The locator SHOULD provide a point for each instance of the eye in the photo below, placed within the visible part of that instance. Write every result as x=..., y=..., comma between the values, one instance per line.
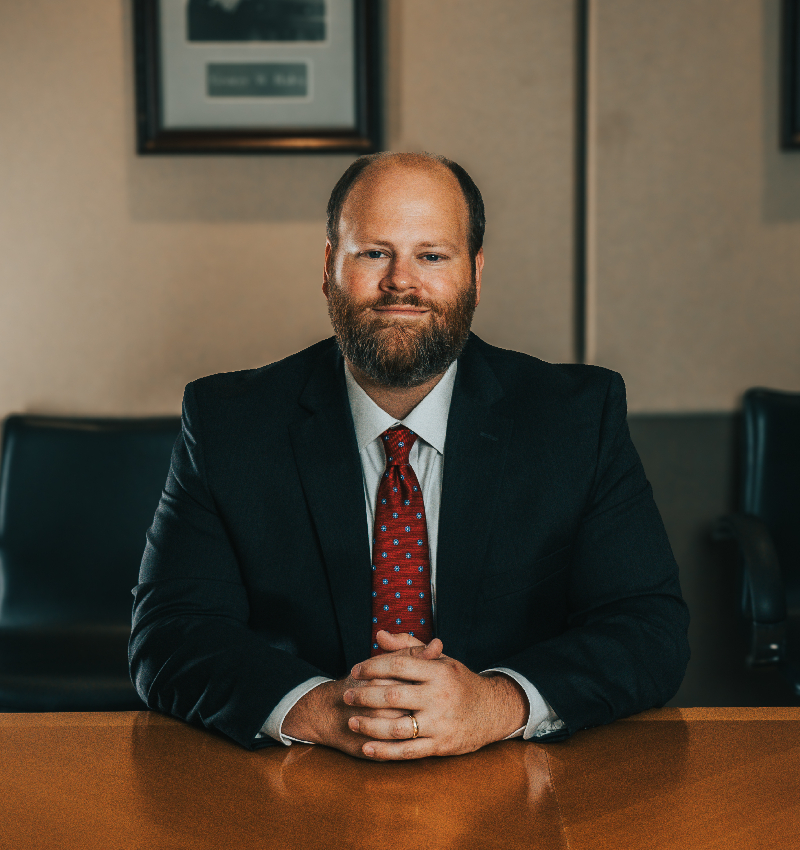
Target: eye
x=432, y=258
x=373, y=255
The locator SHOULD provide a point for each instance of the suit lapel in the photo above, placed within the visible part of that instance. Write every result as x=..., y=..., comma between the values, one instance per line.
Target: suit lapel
x=475, y=455
x=328, y=462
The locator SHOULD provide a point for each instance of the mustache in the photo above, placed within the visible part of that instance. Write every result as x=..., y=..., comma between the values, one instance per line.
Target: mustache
x=387, y=300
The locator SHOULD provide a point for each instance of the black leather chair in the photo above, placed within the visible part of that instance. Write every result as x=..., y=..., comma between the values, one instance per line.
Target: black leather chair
x=767, y=530
x=76, y=498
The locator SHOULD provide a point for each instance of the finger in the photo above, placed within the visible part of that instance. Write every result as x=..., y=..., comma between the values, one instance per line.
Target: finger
x=407, y=697
x=399, y=750
x=397, y=729
x=397, y=665
x=383, y=713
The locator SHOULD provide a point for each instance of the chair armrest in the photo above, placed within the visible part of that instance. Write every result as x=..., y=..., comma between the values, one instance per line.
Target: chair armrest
x=763, y=594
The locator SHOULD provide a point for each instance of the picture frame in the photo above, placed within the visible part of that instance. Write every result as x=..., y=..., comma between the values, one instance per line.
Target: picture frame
x=790, y=87
x=257, y=76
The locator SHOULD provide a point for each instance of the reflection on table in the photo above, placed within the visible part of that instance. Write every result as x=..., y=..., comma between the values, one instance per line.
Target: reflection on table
x=668, y=778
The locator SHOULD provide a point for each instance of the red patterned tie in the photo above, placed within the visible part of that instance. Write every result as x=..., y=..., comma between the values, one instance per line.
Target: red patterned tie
x=401, y=569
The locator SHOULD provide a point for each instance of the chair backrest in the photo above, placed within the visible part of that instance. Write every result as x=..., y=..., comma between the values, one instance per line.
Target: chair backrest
x=76, y=498
x=771, y=474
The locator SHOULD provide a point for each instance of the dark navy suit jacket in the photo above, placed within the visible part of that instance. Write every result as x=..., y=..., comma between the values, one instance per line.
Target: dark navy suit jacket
x=552, y=558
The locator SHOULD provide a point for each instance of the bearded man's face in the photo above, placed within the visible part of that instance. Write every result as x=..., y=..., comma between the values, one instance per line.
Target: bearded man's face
x=401, y=285
x=397, y=353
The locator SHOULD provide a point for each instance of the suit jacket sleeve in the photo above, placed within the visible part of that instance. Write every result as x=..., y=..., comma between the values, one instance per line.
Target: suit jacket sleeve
x=624, y=648
x=191, y=652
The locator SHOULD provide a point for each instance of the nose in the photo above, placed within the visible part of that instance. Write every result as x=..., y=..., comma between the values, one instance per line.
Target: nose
x=401, y=276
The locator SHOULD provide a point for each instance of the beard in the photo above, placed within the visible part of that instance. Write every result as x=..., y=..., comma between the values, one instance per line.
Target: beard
x=395, y=352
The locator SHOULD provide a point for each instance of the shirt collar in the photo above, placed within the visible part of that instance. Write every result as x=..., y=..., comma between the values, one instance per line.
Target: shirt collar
x=428, y=419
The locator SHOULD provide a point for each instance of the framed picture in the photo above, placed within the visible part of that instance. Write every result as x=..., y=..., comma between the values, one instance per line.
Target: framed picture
x=790, y=119
x=256, y=76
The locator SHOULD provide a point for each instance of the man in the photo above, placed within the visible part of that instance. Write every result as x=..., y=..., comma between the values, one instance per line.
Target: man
x=404, y=542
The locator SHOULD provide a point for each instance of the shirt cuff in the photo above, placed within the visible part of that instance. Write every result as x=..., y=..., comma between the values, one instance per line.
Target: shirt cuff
x=541, y=718
x=274, y=723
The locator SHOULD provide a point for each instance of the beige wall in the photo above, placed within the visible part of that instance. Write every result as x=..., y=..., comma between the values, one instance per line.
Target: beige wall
x=695, y=213
x=124, y=277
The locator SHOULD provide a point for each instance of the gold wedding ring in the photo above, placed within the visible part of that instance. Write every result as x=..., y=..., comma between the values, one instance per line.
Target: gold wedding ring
x=416, y=726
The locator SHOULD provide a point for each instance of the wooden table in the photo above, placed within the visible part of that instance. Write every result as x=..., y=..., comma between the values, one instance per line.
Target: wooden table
x=674, y=778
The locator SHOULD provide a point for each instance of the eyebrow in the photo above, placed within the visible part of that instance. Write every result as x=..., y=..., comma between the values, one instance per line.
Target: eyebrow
x=451, y=246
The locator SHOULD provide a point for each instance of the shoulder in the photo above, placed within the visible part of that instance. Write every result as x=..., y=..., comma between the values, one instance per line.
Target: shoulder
x=527, y=381
x=259, y=403
x=283, y=379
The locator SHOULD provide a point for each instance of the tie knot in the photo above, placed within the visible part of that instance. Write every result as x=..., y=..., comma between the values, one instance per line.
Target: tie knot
x=397, y=443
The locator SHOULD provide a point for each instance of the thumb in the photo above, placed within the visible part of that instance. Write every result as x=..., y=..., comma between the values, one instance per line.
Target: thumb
x=393, y=643
x=407, y=644
x=429, y=652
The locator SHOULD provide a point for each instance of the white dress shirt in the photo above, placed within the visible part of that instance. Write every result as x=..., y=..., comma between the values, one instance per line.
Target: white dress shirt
x=428, y=420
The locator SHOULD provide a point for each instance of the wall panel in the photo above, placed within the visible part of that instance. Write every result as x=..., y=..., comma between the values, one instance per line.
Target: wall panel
x=694, y=212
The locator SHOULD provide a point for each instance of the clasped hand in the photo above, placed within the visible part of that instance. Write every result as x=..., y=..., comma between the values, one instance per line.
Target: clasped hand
x=367, y=714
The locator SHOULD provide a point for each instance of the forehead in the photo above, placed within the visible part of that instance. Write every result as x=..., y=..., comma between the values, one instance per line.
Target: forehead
x=407, y=199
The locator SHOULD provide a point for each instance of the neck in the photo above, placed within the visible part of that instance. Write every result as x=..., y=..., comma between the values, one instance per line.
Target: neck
x=398, y=402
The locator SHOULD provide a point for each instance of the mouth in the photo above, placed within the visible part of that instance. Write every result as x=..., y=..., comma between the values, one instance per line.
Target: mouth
x=401, y=311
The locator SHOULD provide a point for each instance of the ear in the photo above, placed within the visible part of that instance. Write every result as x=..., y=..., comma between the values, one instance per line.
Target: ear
x=478, y=273
x=326, y=270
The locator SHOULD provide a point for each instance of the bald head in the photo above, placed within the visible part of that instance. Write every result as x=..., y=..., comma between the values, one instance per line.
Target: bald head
x=379, y=167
